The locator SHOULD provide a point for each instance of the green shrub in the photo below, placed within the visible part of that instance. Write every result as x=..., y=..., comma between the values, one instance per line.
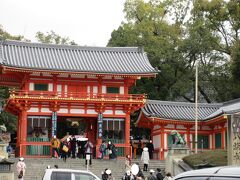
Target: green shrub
x=213, y=157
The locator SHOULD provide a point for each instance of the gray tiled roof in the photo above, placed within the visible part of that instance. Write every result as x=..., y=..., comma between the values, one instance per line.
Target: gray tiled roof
x=178, y=110
x=229, y=107
x=122, y=60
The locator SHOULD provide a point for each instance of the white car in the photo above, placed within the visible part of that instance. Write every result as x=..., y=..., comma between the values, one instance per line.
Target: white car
x=69, y=174
x=215, y=173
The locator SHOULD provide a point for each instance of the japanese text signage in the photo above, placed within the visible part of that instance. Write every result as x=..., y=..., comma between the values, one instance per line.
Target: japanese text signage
x=100, y=125
x=54, y=123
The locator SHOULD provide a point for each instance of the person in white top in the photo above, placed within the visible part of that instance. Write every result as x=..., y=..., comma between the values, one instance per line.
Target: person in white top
x=145, y=159
x=88, y=151
x=21, y=168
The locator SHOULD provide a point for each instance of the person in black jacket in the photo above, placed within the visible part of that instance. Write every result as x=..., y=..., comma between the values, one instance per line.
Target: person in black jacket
x=112, y=150
x=73, y=143
x=104, y=174
x=159, y=174
x=150, y=149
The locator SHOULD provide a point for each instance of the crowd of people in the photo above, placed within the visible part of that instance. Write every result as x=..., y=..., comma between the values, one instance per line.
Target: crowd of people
x=72, y=147
x=132, y=174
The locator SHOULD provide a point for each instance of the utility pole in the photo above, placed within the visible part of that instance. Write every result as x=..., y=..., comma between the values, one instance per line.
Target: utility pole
x=196, y=109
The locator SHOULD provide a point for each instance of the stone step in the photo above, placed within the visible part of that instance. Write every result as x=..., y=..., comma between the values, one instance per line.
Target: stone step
x=37, y=166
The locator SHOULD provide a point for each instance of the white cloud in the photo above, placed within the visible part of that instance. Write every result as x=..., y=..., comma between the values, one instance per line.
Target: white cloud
x=87, y=22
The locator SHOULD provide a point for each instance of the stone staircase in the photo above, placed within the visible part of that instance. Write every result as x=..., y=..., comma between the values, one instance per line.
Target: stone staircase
x=36, y=166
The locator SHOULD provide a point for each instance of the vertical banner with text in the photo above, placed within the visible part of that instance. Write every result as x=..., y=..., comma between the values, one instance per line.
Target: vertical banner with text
x=100, y=125
x=54, y=123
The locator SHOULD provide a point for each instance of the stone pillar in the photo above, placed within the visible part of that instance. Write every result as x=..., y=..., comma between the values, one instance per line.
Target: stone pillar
x=233, y=140
x=175, y=153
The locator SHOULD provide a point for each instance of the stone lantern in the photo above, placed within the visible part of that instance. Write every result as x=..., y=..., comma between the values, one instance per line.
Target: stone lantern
x=5, y=170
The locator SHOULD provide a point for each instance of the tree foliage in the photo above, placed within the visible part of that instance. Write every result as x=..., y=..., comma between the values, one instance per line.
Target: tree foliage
x=53, y=38
x=176, y=34
x=8, y=119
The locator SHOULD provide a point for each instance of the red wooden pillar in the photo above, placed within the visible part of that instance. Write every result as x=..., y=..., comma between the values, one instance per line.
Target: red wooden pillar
x=127, y=134
x=100, y=85
x=162, y=143
x=213, y=140
x=55, y=84
x=188, y=137
x=23, y=131
x=223, y=137
x=125, y=86
x=19, y=129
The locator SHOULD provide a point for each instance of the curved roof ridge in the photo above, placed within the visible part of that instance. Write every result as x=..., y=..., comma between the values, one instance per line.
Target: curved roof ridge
x=231, y=102
x=72, y=47
x=176, y=103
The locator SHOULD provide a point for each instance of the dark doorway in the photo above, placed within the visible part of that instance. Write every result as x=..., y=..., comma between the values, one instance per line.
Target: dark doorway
x=71, y=126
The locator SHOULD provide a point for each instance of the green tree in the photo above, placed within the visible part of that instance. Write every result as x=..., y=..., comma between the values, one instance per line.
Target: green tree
x=6, y=118
x=53, y=38
x=148, y=26
x=178, y=33
x=221, y=19
x=5, y=35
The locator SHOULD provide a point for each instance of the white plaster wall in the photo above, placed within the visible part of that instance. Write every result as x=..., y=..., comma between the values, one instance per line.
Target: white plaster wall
x=66, y=89
x=33, y=109
x=104, y=89
x=119, y=112
x=91, y=111
x=63, y=110
x=31, y=86
x=95, y=89
x=35, y=74
x=191, y=139
x=121, y=90
x=45, y=110
x=92, y=77
x=108, y=112
x=193, y=128
x=50, y=87
x=165, y=141
x=156, y=127
x=88, y=89
x=78, y=75
x=169, y=126
x=156, y=141
x=181, y=127
x=77, y=111
x=185, y=137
